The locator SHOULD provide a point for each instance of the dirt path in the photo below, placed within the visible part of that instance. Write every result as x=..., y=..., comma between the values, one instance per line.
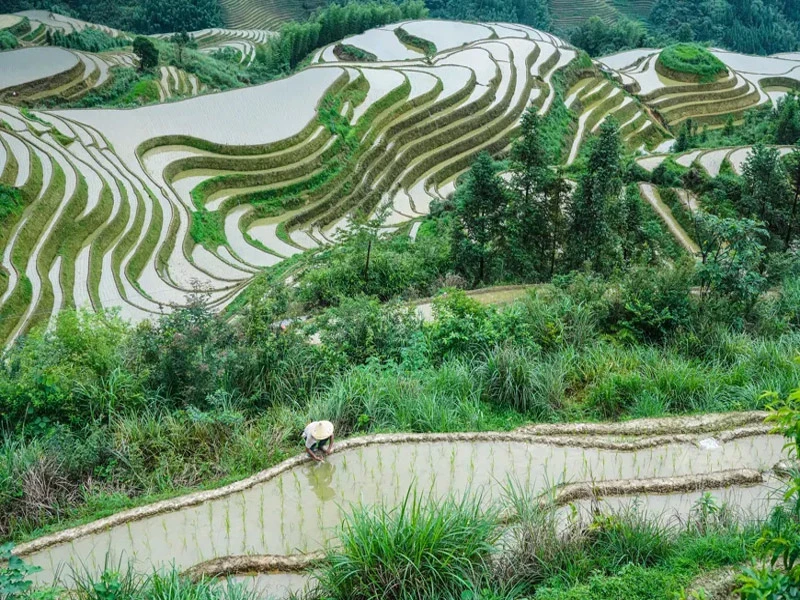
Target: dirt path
x=650, y=194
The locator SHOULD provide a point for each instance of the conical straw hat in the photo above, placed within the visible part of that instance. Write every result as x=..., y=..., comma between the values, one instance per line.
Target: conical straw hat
x=322, y=430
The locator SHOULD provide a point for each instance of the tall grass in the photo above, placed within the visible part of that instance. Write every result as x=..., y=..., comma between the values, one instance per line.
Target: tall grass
x=422, y=549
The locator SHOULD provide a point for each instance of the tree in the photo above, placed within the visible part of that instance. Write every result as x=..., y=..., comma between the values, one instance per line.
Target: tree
x=731, y=258
x=598, y=38
x=794, y=175
x=630, y=227
x=766, y=190
x=530, y=168
x=556, y=198
x=480, y=208
x=591, y=237
x=147, y=52
x=685, y=138
x=685, y=33
x=182, y=40
x=787, y=127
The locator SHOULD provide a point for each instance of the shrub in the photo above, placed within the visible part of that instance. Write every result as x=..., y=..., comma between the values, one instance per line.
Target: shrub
x=7, y=40
x=362, y=328
x=421, y=549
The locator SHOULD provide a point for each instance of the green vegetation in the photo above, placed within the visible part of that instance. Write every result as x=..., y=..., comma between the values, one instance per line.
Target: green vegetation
x=692, y=60
x=601, y=557
x=427, y=47
x=347, y=52
x=147, y=53
x=7, y=40
x=619, y=324
x=89, y=40
x=599, y=38
x=535, y=13
x=11, y=201
x=780, y=538
x=764, y=27
x=118, y=582
x=208, y=229
x=140, y=16
x=765, y=124
x=420, y=549
x=286, y=51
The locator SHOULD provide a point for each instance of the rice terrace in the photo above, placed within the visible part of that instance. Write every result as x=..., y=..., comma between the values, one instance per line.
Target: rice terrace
x=528, y=275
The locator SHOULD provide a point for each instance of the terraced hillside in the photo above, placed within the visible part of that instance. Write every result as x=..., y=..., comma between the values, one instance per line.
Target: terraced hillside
x=37, y=73
x=116, y=198
x=133, y=209
x=751, y=81
x=270, y=14
x=265, y=14
x=242, y=41
x=280, y=519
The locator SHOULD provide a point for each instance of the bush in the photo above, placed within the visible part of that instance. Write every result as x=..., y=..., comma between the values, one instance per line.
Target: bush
x=421, y=549
x=398, y=267
x=362, y=328
x=7, y=40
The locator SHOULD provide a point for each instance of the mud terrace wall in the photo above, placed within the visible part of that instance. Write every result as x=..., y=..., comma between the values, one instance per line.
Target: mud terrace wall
x=296, y=507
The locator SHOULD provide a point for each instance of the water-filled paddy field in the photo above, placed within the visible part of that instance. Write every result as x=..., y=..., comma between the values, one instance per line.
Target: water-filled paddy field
x=297, y=507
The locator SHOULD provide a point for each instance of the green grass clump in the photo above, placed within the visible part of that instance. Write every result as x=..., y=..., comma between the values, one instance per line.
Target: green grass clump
x=693, y=60
x=207, y=229
x=421, y=549
x=11, y=201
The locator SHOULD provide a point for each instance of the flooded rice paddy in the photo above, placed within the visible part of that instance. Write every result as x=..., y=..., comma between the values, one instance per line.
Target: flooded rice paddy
x=300, y=509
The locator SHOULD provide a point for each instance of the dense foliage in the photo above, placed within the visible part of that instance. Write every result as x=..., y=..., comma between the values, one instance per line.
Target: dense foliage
x=8, y=40
x=694, y=60
x=89, y=40
x=140, y=16
x=10, y=201
x=535, y=13
x=763, y=27
x=599, y=38
x=284, y=52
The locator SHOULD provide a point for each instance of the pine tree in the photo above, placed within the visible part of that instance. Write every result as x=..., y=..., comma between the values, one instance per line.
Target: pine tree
x=794, y=210
x=481, y=205
x=591, y=237
x=766, y=191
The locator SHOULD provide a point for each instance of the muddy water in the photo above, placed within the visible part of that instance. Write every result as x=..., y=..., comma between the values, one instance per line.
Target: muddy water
x=300, y=510
x=274, y=585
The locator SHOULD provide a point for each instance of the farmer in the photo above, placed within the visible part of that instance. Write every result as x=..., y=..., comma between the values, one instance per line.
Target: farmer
x=317, y=435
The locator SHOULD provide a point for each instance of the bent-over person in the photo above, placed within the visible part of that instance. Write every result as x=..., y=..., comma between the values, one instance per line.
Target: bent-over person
x=319, y=439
